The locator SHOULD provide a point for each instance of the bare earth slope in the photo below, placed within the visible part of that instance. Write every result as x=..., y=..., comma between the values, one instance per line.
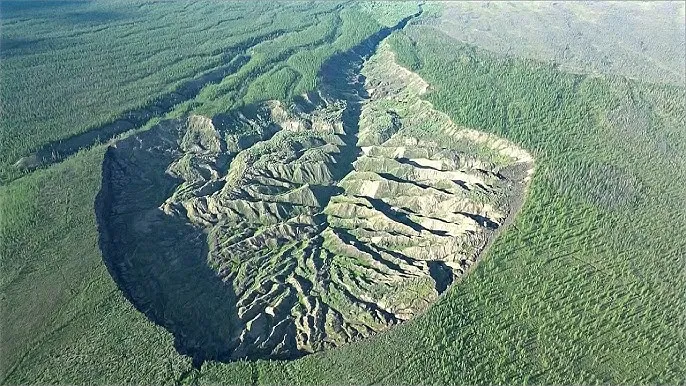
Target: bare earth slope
x=278, y=230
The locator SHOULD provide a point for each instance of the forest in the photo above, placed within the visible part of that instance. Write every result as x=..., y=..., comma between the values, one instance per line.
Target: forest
x=585, y=285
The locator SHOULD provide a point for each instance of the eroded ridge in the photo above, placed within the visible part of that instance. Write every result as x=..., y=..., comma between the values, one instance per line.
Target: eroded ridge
x=304, y=227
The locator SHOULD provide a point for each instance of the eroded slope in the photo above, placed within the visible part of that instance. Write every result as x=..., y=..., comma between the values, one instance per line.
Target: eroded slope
x=281, y=230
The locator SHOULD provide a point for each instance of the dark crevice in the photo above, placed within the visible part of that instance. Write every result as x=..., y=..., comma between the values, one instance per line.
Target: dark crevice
x=393, y=178
x=481, y=220
x=441, y=274
x=369, y=306
x=407, y=260
x=398, y=216
x=407, y=161
x=462, y=184
x=348, y=238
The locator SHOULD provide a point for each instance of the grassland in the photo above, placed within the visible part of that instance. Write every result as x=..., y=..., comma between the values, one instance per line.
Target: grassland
x=586, y=286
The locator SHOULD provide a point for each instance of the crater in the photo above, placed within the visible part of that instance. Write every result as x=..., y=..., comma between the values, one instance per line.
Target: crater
x=281, y=230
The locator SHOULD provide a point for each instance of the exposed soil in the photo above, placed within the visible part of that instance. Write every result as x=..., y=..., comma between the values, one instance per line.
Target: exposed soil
x=276, y=231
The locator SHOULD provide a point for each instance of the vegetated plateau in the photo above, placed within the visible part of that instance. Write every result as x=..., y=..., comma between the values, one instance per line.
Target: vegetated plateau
x=267, y=180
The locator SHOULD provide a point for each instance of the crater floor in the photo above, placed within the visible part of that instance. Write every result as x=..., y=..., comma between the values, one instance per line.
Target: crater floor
x=277, y=231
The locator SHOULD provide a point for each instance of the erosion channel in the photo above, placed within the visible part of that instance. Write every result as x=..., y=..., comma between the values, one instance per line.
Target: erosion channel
x=280, y=230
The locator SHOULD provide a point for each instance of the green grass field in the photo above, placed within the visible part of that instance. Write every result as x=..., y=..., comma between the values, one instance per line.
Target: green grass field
x=586, y=286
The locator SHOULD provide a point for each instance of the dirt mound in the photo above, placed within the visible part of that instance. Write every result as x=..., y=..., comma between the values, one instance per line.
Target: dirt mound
x=282, y=230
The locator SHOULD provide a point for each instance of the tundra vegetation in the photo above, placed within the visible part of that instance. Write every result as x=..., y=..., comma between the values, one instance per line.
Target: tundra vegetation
x=642, y=40
x=301, y=152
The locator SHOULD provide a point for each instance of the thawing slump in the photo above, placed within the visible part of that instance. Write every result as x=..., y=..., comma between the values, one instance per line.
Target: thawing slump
x=276, y=231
